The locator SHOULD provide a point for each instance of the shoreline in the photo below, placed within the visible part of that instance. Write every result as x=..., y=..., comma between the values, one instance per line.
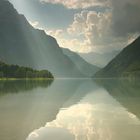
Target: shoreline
x=25, y=79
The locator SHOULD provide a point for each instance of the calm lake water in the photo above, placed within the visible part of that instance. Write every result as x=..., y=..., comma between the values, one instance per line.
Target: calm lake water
x=70, y=110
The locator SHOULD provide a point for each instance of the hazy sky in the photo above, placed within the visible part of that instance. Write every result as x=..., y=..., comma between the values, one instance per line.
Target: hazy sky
x=85, y=25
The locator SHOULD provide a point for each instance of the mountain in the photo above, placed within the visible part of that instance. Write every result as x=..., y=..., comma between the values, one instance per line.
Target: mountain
x=99, y=59
x=24, y=45
x=125, y=64
x=83, y=66
x=15, y=71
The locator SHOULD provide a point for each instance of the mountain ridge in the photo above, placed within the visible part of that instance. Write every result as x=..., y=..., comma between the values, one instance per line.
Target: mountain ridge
x=21, y=44
x=99, y=59
x=125, y=64
x=83, y=66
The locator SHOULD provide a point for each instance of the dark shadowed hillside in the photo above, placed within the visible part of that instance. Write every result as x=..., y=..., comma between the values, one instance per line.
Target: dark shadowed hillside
x=126, y=64
x=21, y=44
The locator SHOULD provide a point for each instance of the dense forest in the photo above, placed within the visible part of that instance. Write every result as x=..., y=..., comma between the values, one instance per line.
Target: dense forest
x=15, y=71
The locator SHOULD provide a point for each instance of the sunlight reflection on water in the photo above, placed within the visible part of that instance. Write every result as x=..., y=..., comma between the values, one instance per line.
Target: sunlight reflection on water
x=97, y=116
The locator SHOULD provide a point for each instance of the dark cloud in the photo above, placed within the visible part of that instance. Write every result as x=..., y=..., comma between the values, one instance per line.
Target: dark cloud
x=125, y=17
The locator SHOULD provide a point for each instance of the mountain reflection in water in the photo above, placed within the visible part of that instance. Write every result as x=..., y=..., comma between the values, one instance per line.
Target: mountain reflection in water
x=108, y=111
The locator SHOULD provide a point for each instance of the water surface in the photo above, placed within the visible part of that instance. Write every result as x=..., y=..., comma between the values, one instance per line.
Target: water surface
x=70, y=110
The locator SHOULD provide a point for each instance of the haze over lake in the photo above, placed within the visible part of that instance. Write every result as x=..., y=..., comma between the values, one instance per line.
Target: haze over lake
x=69, y=69
x=70, y=109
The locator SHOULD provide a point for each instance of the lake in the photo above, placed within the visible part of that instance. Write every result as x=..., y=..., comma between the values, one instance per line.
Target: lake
x=70, y=109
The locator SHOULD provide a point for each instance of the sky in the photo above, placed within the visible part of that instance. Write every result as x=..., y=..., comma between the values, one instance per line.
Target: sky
x=85, y=25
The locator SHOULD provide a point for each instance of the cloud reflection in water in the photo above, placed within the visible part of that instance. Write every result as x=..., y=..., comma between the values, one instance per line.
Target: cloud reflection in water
x=97, y=116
